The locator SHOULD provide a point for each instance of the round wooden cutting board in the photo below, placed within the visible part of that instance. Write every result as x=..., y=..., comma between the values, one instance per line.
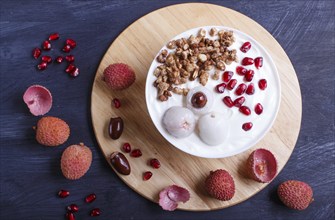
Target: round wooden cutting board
x=137, y=46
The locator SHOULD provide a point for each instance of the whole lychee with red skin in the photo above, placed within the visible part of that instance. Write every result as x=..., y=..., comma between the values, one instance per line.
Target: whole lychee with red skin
x=52, y=131
x=220, y=185
x=295, y=194
x=75, y=161
x=119, y=76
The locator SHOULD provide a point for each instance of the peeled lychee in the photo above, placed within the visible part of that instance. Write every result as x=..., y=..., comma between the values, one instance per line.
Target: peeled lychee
x=52, y=131
x=119, y=76
x=295, y=194
x=262, y=165
x=213, y=129
x=179, y=121
x=75, y=161
x=220, y=184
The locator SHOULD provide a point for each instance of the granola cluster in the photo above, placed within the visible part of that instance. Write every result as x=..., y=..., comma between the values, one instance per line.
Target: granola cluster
x=193, y=59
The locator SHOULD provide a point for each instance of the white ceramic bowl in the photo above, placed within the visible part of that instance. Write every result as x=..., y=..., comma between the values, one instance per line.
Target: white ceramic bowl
x=237, y=139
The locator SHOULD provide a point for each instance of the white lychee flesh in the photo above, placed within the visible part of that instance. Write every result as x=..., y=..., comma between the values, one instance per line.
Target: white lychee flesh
x=209, y=96
x=179, y=121
x=213, y=129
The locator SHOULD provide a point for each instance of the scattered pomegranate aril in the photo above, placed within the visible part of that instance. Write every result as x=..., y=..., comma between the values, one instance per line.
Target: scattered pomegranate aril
x=90, y=198
x=69, y=58
x=241, y=70
x=249, y=75
x=70, y=216
x=250, y=89
x=147, y=175
x=46, y=45
x=66, y=48
x=126, y=147
x=54, y=36
x=70, y=68
x=42, y=65
x=258, y=62
x=247, y=61
x=95, y=212
x=136, y=153
x=245, y=110
x=239, y=101
x=116, y=102
x=63, y=193
x=227, y=75
x=245, y=47
x=72, y=208
x=71, y=43
x=46, y=59
x=74, y=72
x=262, y=84
x=258, y=108
x=37, y=53
x=228, y=101
x=232, y=83
x=155, y=163
x=247, y=126
x=220, y=87
x=240, y=89
x=59, y=59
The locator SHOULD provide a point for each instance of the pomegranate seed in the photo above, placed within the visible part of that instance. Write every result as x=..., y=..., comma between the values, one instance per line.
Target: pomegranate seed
x=155, y=163
x=247, y=61
x=46, y=45
x=74, y=72
x=231, y=84
x=245, y=47
x=116, y=102
x=54, y=36
x=258, y=62
x=63, y=193
x=250, y=89
x=90, y=198
x=227, y=100
x=227, y=75
x=249, y=75
x=147, y=175
x=241, y=70
x=59, y=59
x=245, y=110
x=126, y=147
x=70, y=68
x=221, y=87
x=136, y=153
x=95, y=212
x=239, y=101
x=69, y=58
x=66, y=48
x=247, y=126
x=70, y=216
x=258, y=108
x=72, y=208
x=36, y=53
x=42, y=65
x=240, y=89
x=71, y=43
x=262, y=84
x=47, y=59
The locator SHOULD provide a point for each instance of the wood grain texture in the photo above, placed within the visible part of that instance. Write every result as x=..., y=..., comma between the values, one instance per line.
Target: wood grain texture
x=137, y=46
x=30, y=174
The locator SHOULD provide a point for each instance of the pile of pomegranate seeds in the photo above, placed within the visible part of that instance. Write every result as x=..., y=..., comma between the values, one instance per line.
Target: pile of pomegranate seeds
x=73, y=208
x=70, y=44
x=247, y=87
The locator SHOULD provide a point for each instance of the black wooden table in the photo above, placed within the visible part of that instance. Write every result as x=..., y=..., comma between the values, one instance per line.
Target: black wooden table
x=30, y=173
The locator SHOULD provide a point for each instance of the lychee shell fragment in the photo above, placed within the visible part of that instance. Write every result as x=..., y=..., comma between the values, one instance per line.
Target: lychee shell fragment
x=38, y=99
x=262, y=165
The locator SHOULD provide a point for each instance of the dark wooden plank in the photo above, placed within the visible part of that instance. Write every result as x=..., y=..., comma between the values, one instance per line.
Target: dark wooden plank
x=30, y=174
